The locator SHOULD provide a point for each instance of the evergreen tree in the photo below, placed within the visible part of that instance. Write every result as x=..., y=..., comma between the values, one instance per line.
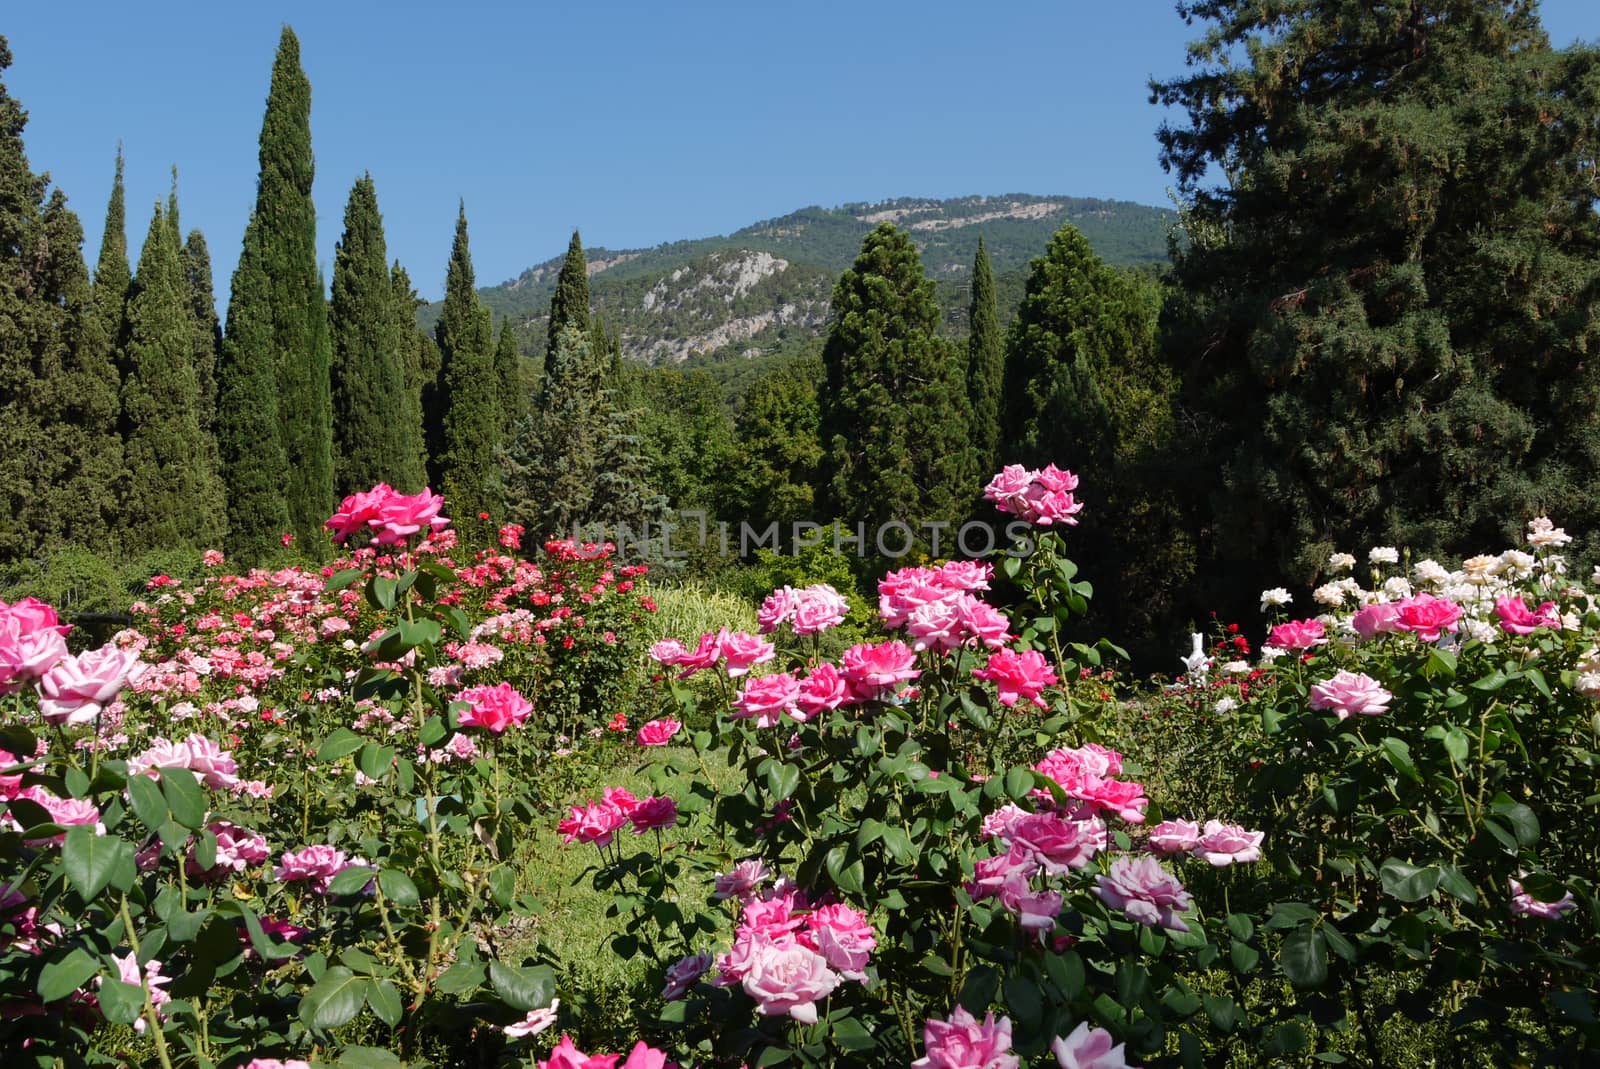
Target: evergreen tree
x=894, y=412
x=419, y=367
x=986, y=364
x=369, y=387
x=1387, y=316
x=203, y=320
x=569, y=307
x=550, y=465
x=508, y=365
x=777, y=452
x=278, y=320
x=469, y=387
x=174, y=496
x=688, y=433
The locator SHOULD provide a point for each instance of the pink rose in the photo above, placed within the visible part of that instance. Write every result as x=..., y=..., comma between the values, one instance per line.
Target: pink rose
x=1012, y=482
x=34, y=616
x=1018, y=676
x=1228, y=844
x=684, y=974
x=1525, y=905
x=1379, y=618
x=1056, y=845
x=621, y=798
x=357, y=512
x=9, y=785
x=78, y=688
x=742, y=652
x=668, y=651
x=876, y=671
x=567, y=1056
x=644, y=1056
x=1089, y=1048
x=659, y=732
x=495, y=708
x=1427, y=617
x=904, y=590
x=964, y=1042
x=819, y=608
x=982, y=623
x=992, y=875
x=767, y=698
x=237, y=849
x=1297, y=635
x=214, y=765
x=149, y=978
x=1174, y=836
x=274, y=1063
x=787, y=979
x=1036, y=911
x=1350, y=692
x=653, y=814
x=935, y=625
x=316, y=865
x=742, y=882
x=535, y=1022
x=66, y=812
x=824, y=689
x=777, y=608
x=707, y=653
x=1517, y=619
x=967, y=575
x=1145, y=892
x=399, y=516
x=592, y=822
x=843, y=937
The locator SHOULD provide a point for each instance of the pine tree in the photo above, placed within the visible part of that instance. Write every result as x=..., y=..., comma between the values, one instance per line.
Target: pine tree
x=368, y=365
x=277, y=319
x=1388, y=313
x=569, y=307
x=419, y=366
x=508, y=365
x=986, y=364
x=550, y=465
x=174, y=496
x=470, y=387
x=894, y=413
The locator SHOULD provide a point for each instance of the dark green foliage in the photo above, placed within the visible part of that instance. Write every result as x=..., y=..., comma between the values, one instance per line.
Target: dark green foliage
x=174, y=497
x=1387, y=316
x=777, y=452
x=569, y=306
x=689, y=436
x=550, y=464
x=986, y=364
x=894, y=412
x=469, y=388
x=373, y=438
x=419, y=367
x=513, y=391
x=207, y=328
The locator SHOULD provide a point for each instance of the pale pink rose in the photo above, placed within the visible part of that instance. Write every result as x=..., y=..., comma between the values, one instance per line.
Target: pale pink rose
x=964, y=1042
x=998, y=824
x=1012, y=482
x=843, y=937
x=1056, y=845
x=1379, y=618
x=684, y=974
x=742, y=652
x=1018, y=676
x=1175, y=836
x=357, y=512
x=876, y=671
x=1427, y=617
x=77, y=688
x=1228, y=844
x=399, y=516
x=66, y=812
x=149, y=978
x=787, y=979
x=935, y=625
x=706, y=654
x=1525, y=905
x=237, y=849
x=592, y=822
x=334, y=625
x=653, y=813
x=1297, y=635
x=566, y=1055
x=742, y=882
x=965, y=575
x=668, y=651
x=1350, y=693
x=160, y=754
x=1036, y=910
x=535, y=1022
x=819, y=608
x=1145, y=892
x=992, y=875
x=214, y=765
x=495, y=708
x=1517, y=619
x=1089, y=1048
x=1125, y=798
x=777, y=608
x=316, y=865
x=824, y=689
x=658, y=732
x=767, y=698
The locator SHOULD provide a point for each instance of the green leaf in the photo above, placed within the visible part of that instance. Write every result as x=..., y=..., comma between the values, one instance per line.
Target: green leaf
x=1304, y=957
x=269, y=949
x=375, y=761
x=1223, y=1013
x=341, y=743
x=1019, y=781
x=416, y=633
x=339, y=580
x=461, y=977
x=1491, y=682
x=1408, y=882
x=398, y=888
x=88, y=859
x=851, y=1034
x=381, y=591
x=782, y=779
x=60, y=978
x=1288, y=1038
x=77, y=782
x=369, y=1058
x=1244, y=957
x=350, y=881
x=148, y=803
x=1524, y=825
x=384, y=1000
x=1398, y=754
x=334, y=1001
x=1241, y=925
x=121, y=1002
x=185, y=797
x=1457, y=745
x=523, y=989
x=1453, y=881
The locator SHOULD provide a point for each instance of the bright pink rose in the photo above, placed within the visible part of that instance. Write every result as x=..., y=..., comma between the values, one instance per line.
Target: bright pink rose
x=402, y=515
x=357, y=512
x=1427, y=617
x=592, y=822
x=876, y=671
x=774, y=915
x=1297, y=635
x=1228, y=844
x=78, y=688
x=964, y=1042
x=1056, y=845
x=1379, y=618
x=567, y=1056
x=26, y=655
x=843, y=937
x=621, y=798
x=819, y=607
x=1517, y=619
x=644, y=1056
x=903, y=591
x=1041, y=497
x=982, y=623
x=777, y=608
x=683, y=975
x=668, y=651
x=997, y=825
x=274, y=1063
x=1174, y=836
x=1350, y=692
x=742, y=652
x=967, y=575
x=1525, y=905
x=1089, y=1048
x=1145, y=892
x=9, y=785
x=822, y=690
x=787, y=979
x=659, y=732
x=316, y=865
x=1018, y=676
x=653, y=814
x=707, y=653
x=34, y=616
x=767, y=698
x=1085, y=774
x=992, y=875
x=495, y=708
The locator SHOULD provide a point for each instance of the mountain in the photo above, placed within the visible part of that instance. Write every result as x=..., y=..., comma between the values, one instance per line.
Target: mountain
x=765, y=288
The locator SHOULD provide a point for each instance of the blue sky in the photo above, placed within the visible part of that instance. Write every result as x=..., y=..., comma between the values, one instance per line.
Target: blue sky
x=638, y=122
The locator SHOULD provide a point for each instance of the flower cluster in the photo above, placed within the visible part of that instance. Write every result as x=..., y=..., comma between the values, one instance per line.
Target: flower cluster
x=388, y=515
x=808, y=611
x=599, y=821
x=1042, y=497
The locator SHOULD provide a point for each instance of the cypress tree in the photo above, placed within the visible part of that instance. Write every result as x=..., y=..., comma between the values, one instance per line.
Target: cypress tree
x=203, y=321
x=174, y=496
x=368, y=365
x=419, y=370
x=470, y=387
x=894, y=413
x=550, y=465
x=569, y=307
x=508, y=365
x=986, y=364
x=277, y=320
x=773, y=476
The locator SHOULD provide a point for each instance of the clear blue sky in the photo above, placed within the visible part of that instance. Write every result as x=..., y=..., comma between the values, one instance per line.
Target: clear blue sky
x=638, y=122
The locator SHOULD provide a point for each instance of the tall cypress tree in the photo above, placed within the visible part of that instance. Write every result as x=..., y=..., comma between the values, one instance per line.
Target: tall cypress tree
x=174, y=496
x=368, y=370
x=419, y=370
x=471, y=423
x=894, y=414
x=277, y=319
x=986, y=364
x=569, y=307
x=550, y=466
x=203, y=320
x=508, y=365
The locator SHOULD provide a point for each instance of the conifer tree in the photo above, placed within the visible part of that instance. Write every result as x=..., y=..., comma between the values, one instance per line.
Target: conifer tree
x=508, y=365
x=174, y=496
x=203, y=320
x=773, y=476
x=894, y=413
x=369, y=385
x=419, y=367
x=277, y=320
x=986, y=364
x=550, y=465
x=469, y=387
x=569, y=307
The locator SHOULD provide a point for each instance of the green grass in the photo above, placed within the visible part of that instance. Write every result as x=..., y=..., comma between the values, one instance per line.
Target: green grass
x=686, y=612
